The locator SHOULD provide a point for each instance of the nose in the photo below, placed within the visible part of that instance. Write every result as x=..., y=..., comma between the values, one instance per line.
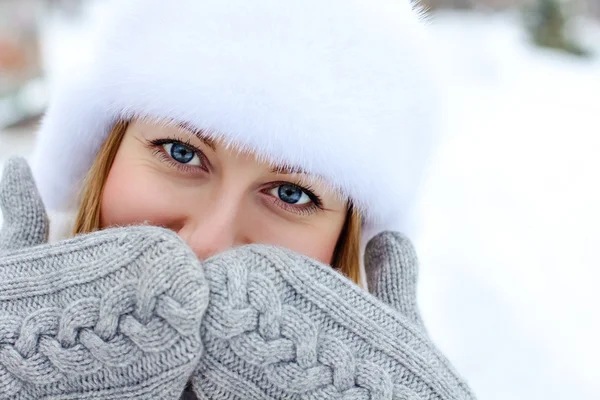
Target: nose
x=211, y=231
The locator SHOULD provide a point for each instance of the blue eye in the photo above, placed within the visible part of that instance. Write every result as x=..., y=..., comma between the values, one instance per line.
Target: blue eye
x=291, y=194
x=182, y=153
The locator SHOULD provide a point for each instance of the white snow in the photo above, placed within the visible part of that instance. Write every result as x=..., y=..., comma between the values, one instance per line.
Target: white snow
x=509, y=215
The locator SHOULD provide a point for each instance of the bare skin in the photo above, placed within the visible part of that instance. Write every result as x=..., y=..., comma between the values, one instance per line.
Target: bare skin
x=215, y=197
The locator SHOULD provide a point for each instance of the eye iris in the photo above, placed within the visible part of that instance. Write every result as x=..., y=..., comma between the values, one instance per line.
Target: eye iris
x=181, y=153
x=290, y=194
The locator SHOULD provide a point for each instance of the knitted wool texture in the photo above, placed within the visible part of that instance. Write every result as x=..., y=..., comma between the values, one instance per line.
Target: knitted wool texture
x=24, y=218
x=282, y=326
x=120, y=314
x=110, y=315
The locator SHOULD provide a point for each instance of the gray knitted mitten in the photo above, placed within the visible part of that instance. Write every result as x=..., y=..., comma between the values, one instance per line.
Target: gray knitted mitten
x=24, y=218
x=110, y=315
x=282, y=326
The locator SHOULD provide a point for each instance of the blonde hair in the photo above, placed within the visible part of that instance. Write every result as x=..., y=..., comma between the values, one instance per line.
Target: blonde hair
x=346, y=256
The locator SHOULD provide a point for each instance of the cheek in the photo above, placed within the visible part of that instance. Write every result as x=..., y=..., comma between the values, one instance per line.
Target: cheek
x=317, y=245
x=323, y=250
x=134, y=195
x=316, y=240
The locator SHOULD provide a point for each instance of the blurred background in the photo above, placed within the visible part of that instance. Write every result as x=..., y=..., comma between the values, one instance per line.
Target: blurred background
x=509, y=220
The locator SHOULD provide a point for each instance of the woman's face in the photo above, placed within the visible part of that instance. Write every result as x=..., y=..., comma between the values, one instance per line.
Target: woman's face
x=216, y=197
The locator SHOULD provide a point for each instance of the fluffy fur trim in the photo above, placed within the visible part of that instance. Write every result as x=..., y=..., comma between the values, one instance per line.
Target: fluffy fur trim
x=340, y=88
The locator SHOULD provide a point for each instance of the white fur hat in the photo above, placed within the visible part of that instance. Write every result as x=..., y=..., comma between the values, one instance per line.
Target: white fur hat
x=340, y=88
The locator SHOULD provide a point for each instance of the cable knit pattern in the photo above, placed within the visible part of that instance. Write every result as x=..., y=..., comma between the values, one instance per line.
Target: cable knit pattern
x=135, y=309
x=110, y=315
x=122, y=314
x=280, y=325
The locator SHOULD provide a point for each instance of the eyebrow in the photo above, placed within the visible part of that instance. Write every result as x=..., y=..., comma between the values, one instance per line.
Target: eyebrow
x=284, y=169
x=199, y=134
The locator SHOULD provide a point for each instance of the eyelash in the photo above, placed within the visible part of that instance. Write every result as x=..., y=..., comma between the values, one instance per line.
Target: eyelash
x=316, y=202
x=156, y=146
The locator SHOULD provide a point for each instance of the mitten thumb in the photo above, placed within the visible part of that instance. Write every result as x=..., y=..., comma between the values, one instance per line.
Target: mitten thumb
x=25, y=222
x=391, y=266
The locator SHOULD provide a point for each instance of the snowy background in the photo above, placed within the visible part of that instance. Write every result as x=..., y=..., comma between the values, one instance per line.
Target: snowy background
x=511, y=219
x=510, y=213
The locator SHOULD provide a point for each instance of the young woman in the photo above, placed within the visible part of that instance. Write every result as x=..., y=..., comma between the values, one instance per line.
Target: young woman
x=304, y=125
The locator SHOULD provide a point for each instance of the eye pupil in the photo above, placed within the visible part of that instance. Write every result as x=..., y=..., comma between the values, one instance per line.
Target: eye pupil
x=290, y=194
x=181, y=153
